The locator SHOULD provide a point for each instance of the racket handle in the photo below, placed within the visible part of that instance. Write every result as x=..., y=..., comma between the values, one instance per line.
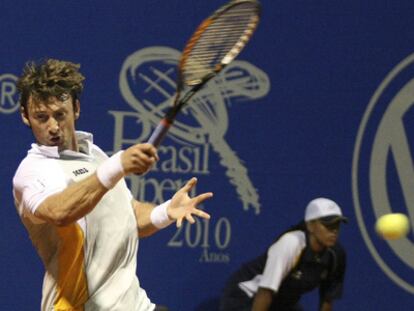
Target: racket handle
x=159, y=133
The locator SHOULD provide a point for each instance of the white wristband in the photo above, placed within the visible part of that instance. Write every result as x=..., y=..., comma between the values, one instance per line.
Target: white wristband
x=111, y=171
x=159, y=215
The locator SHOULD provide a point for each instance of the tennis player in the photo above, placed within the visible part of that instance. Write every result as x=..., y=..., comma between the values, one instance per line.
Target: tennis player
x=74, y=202
x=305, y=257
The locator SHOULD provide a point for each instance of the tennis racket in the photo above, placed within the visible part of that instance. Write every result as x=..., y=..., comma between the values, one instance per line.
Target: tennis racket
x=215, y=43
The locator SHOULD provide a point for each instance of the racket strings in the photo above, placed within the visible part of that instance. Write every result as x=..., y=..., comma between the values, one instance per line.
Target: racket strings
x=218, y=41
x=220, y=38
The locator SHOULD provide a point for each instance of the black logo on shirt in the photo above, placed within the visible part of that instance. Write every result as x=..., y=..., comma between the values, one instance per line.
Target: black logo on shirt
x=80, y=171
x=297, y=275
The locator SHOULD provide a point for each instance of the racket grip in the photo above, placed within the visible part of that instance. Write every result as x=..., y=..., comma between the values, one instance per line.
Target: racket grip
x=159, y=133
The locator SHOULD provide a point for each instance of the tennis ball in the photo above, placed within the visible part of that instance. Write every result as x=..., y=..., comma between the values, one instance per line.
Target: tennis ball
x=392, y=226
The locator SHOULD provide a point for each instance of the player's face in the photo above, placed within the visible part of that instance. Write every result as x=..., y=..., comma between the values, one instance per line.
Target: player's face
x=53, y=121
x=325, y=235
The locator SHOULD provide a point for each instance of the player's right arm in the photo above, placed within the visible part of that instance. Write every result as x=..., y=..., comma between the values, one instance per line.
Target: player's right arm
x=73, y=203
x=46, y=197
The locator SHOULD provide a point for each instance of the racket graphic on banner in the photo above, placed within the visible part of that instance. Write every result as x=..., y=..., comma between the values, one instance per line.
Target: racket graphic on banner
x=215, y=43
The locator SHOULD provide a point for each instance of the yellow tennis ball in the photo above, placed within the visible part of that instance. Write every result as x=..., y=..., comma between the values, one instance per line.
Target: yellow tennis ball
x=392, y=226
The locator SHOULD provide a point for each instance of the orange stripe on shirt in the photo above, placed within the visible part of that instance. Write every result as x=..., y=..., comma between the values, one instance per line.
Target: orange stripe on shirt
x=72, y=290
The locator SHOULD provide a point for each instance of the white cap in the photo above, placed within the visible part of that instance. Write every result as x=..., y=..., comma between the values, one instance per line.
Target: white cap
x=325, y=210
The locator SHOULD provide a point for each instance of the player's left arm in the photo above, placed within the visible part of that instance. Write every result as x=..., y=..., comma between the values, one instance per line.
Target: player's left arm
x=181, y=207
x=262, y=300
x=142, y=212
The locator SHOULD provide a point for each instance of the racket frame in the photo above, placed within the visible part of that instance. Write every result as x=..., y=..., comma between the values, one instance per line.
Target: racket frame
x=164, y=125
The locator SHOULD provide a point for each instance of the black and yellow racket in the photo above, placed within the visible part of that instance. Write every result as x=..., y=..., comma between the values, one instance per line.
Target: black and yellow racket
x=215, y=43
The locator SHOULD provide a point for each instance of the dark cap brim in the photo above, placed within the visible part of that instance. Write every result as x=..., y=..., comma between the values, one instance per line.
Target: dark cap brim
x=333, y=219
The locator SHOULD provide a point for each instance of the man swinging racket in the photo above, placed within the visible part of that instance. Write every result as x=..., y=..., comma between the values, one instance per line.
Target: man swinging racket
x=74, y=202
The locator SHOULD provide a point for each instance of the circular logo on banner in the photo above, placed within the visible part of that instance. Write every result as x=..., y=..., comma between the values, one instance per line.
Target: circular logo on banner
x=147, y=82
x=383, y=170
x=8, y=94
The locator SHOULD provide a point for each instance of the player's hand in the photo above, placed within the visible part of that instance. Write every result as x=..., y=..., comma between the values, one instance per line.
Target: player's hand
x=139, y=158
x=183, y=207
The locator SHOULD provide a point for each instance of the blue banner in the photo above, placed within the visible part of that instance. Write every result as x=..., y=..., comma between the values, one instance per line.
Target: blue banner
x=319, y=103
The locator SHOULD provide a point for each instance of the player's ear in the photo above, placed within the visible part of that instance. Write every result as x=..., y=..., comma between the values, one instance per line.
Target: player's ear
x=76, y=108
x=24, y=116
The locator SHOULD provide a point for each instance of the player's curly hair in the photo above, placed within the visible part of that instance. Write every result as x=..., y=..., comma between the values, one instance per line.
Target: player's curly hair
x=50, y=77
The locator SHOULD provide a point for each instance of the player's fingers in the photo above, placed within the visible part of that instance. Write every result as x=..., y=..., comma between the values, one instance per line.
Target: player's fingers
x=152, y=151
x=179, y=222
x=202, y=197
x=144, y=157
x=190, y=218
x=202, y=214
x=147, y=149
x=190, y=184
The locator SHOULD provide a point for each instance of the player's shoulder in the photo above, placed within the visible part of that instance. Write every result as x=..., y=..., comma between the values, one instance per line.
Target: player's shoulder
x=32, y=165
x=289, y=245
x=31, y=162
x=98, y=152
x=296, y=237
x=292, y=239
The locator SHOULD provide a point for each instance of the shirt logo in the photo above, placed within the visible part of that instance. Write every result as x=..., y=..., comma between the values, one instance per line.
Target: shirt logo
x=80, y=171
x=297, y=275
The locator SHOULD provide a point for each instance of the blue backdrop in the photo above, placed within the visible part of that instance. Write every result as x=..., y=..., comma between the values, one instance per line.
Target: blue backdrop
x=318, y=104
